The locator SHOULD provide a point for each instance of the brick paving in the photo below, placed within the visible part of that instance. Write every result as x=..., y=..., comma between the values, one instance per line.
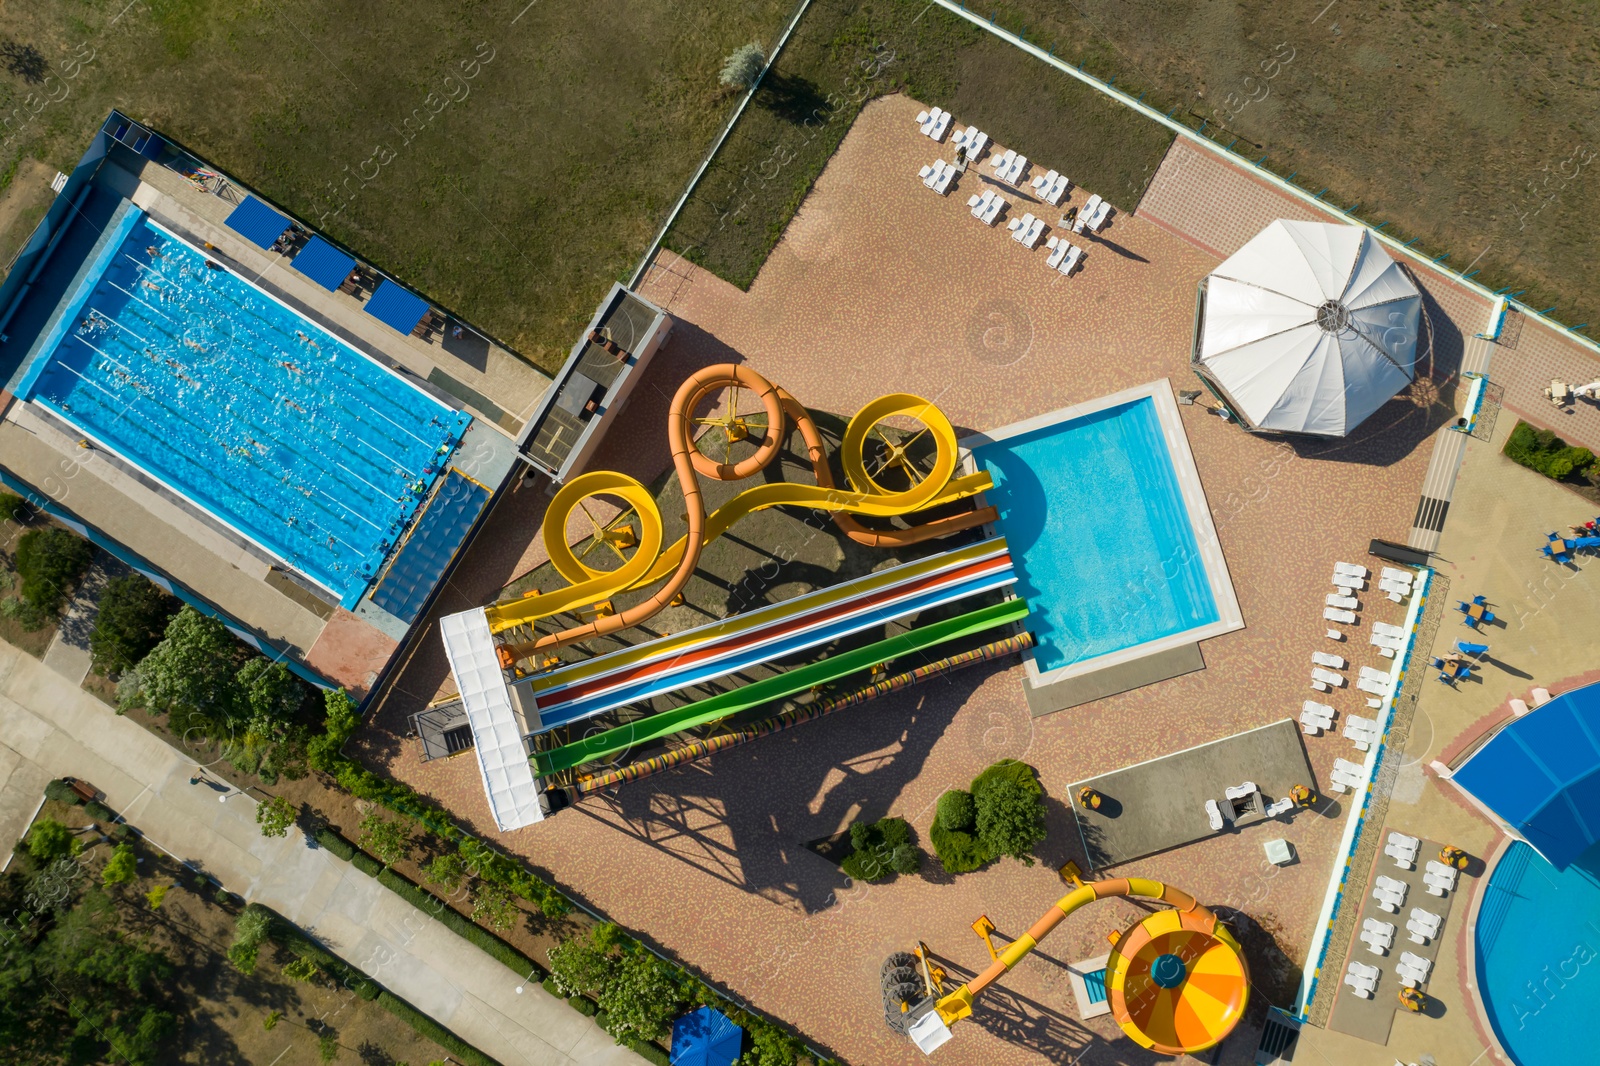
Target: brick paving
x=879, y=285
x=1541, y=355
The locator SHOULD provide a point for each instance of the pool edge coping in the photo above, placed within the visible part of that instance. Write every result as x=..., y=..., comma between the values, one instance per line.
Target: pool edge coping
x=1230, y=617
x=1469, y=960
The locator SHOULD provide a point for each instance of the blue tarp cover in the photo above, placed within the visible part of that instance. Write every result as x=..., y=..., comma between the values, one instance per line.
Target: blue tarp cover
x=433, y=543
x=705, y=1038
x=396, y=308
x=1541, y=775
x=257, y=223
x=323, y=263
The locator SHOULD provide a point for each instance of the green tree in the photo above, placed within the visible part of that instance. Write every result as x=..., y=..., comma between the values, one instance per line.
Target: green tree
x=881, y=848
x=50, y=562
x=1009, y=818
x=157, y=896
x=275, y=817
x=271, y=695
x=122, y=867
x=250, y=929
x=49, y=840
x=447, y=871
x=191, y=674
x=302, y=969
x=956, y=811
x=494, y=906
x=579, y=966
x=640, y=997
x=390, y=840
x=741, y=68
x=339, y=722
x=132, y=618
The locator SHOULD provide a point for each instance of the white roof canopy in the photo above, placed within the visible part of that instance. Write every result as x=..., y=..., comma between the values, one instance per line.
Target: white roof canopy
x=1309, y=328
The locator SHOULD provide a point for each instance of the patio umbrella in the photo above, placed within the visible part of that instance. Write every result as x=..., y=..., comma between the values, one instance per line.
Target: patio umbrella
x=1466, y=648
x=1309, y=328
x=705, y=1037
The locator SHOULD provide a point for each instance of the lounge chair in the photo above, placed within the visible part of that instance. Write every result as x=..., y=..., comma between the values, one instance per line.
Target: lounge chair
x=1349, y=603
x=1327, y=677
x=1059, y=253
x=1279, y=807
x=1214, y=815
x=1360, y=987
x=1334, y=614
x=1348, y=581
x=1335, y=634
x=1351, y=568
x=1074, y=254
x=1322, y=658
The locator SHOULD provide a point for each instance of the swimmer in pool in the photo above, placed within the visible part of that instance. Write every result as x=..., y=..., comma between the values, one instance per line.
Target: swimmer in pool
x=152, y=286
x=290, y=367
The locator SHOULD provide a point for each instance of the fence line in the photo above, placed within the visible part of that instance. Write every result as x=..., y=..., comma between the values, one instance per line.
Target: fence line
x=705, y=164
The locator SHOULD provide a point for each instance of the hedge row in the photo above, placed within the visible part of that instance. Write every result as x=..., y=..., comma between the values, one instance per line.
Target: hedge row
x=431, y=1029
x=461, y=925
x=367, y=864
x=335, y=844
x=301, y=945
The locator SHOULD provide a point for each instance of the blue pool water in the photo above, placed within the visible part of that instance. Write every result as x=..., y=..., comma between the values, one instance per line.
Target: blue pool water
x=1105, y=552
x=1538, y=955
x=245, y=407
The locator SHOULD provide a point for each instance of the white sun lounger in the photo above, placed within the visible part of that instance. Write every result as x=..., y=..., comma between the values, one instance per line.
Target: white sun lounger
x=1016, y=170
x=1398, y=575
x=1334, y=614
x=1098, y=218
x=1058, y=254
x=1074, y=253
x=1084, y=213
x=1349, y=582
x=1373, y=685
x=1388, y=630
x=1351, y=568
x=1322, y=658
x=1349, y=603
x=1282, y=806
x=940, y=124
x=1413, y=969
x=1360, y=986
x=1020, y=227
x=1214, y=815
x=976, y=140
x=1030, y=237
x=1375, y=674
x=991, y=214
x=1439, y=869
x=1327, y=677
x=1403, y=853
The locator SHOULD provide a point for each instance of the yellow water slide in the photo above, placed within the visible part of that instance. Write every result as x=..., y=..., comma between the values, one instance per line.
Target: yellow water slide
x=648, y=563
x=1176, y=981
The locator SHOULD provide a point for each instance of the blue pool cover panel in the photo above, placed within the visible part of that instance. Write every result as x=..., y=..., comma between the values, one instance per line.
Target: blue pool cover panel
x=257, y=223
x=705, y=1037
x=324, y=264
x=232, y=400
x=1541, y=775
x=395, y=307
x=1095, y=984
x=421, y=561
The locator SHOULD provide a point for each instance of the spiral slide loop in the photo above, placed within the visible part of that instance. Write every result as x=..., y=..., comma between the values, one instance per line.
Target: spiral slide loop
x=649, y=563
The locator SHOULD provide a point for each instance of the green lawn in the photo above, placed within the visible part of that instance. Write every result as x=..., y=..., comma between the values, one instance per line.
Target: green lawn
x=846, y=52
x=1474, y=127
x=509, y=167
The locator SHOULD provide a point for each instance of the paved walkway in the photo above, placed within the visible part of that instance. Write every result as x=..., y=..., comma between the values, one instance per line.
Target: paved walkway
x=49, y=728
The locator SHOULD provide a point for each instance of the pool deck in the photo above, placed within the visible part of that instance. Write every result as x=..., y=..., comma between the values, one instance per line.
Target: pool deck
x=954, y=311
x=1548, y=614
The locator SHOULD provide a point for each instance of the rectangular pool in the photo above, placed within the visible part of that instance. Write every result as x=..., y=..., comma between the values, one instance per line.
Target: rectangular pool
x=1113, y=542
x=281, y=431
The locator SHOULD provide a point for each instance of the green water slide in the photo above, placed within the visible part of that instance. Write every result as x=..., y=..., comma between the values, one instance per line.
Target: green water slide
x=777, y=687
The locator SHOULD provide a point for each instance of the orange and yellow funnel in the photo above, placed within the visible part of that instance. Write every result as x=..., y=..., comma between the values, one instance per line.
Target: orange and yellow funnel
x=1177, y=982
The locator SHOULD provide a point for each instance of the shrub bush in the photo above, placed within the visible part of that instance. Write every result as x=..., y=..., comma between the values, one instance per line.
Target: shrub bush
x=881, y=848
x=651, y=1053
x=1010, y=810
x=956, y=811
x=13, y=508
x=432, y=1030
x=50, y=562
x=132, y=619
x=583, y=1005
x=959, y=852
x=252, y=926
x=1542, y=450
x=61, y=792
x=122, y=867
x=367, y=864
x=99, y=811
x=641, y=998
x=336, y=844
x=50, y=840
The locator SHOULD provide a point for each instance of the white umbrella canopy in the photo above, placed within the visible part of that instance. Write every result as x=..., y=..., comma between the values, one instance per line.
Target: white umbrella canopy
x=1309, y=328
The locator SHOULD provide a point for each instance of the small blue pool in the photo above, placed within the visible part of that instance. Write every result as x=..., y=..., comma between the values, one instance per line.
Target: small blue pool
x=280, y=430
x=1538, y=955
x=1095, y=516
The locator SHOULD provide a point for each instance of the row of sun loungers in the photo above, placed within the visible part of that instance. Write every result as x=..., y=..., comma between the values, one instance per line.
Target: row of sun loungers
x=1064, y=255
x=1362, y=978
x=938, y=176
x=1438, y=878
x=1402, y=849
x=935, y=123
x=1026, y=230
x=970, y=142
x=1412, y=970
x=1051, y=187
x=1347, y=776
x=1390, y=893
x=1421, y=927
x=1315, y=717
x=1365, y=732
x=1093, y=215
x=1009, y=167
x=986, y=207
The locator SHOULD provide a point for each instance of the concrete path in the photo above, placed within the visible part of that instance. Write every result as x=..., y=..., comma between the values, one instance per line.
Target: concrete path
x=50, y=728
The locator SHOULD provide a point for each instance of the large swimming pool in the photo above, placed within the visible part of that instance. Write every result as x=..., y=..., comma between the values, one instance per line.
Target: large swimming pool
x=1538, y=955
x=1105, y=548
x=228, y=397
